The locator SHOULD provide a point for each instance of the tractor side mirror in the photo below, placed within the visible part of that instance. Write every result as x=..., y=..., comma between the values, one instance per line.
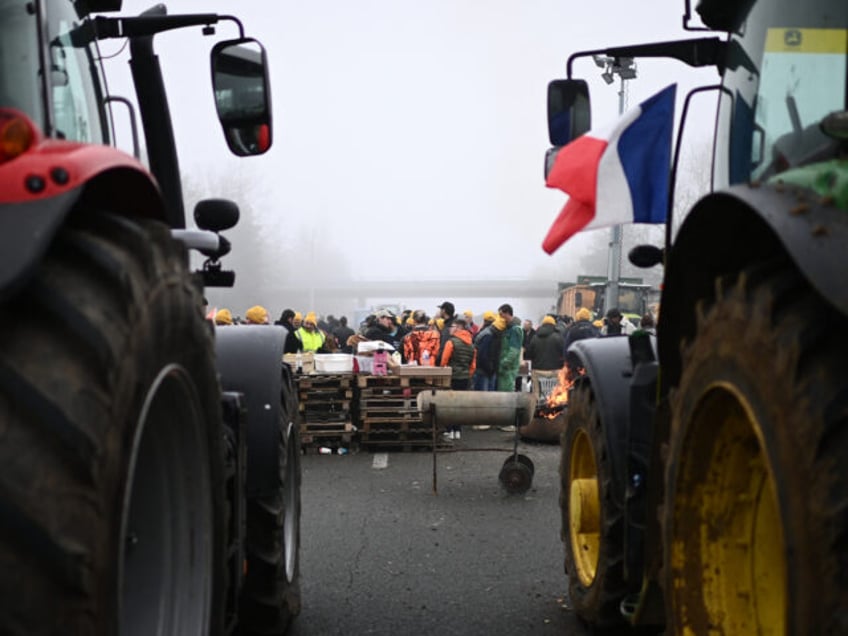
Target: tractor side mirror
x=216, y=215
x=242, y=95
x=644, y=256
x=569, y=110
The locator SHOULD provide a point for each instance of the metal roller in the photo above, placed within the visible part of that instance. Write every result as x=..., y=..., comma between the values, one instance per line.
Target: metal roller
x=472, y=408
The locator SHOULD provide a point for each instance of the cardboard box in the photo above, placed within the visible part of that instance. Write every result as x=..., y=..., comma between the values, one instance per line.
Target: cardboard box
x=307, y=361
x=421, y=372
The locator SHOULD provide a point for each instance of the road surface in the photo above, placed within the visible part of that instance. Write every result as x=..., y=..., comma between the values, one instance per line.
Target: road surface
x=382, y=554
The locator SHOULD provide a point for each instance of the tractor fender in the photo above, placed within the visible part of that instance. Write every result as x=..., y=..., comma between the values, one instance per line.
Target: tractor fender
x=609, y=371
x=250, y=360
x=42, y=186
x=729, y=230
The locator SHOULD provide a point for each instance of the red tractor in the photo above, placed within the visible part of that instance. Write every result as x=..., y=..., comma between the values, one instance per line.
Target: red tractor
x=143, y=490
x=704, y=480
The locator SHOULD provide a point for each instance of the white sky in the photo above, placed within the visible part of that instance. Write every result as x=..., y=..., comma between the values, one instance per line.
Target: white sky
x=422, y=122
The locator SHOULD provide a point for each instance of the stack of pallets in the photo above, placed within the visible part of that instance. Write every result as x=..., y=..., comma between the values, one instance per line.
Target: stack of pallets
x=387, y=407
x=325, y=402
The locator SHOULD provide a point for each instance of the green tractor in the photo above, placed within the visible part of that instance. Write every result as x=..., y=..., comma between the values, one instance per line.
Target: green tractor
x=704, y=479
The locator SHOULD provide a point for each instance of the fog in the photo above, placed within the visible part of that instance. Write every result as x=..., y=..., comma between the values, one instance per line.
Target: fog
x=409, y=140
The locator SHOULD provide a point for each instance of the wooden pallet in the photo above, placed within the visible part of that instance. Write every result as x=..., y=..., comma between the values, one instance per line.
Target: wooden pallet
x=388, y=381
x=327, y=426
x=392, y=393
x=324, y=380
x=375, y=415
x=325, y=393
x=324, y=406
x=393, y=425
x=326, y=433
x=325, y=403
x=338, y=420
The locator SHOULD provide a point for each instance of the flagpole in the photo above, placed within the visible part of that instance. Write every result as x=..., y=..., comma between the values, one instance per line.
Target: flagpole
x=625, y=68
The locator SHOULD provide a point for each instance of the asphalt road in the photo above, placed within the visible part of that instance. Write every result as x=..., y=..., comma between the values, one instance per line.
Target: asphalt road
x=382, y=554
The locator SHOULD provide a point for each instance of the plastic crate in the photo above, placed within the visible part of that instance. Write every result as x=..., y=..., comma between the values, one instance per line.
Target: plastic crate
x=333, y=363
x=544, y=382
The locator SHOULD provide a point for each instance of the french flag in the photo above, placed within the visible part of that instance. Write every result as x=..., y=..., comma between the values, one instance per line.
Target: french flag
x=616, y=175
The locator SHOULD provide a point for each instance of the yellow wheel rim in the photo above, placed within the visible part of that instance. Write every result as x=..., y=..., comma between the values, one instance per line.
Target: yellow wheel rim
x=584, y=508
x=727, y=558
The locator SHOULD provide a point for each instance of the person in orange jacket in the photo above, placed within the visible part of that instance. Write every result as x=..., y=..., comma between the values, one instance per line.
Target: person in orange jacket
x=422, y=343
x=461, y=356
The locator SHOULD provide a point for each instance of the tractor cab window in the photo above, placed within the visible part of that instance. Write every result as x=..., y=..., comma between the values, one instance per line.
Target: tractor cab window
x=19, y=76
x=73, y=80
x=796, y=75
x=803, y=80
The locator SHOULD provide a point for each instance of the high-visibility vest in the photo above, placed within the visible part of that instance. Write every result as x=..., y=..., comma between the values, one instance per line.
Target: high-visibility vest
x=310, y=340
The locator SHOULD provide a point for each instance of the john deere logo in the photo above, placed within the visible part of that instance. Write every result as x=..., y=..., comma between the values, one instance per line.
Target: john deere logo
x=792, y=37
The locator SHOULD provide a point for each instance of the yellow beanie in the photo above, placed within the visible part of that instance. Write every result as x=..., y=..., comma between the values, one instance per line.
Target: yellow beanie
x=257, y=315
x=310, y=317
x=548, y=320
x=298, y=316
x=223, y=317
x=489, y=316
x=583, y=314
x=468, y=313
x=500, y=323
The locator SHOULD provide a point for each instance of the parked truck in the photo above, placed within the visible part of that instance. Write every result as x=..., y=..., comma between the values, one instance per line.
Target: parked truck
x=143, y=490
x=635, y=298
x=704, y=481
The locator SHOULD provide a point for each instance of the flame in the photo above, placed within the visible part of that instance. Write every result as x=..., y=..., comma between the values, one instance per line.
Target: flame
x=558, y=397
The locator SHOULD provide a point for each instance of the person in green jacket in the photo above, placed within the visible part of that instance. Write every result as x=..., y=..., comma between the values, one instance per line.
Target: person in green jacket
x=511, y=343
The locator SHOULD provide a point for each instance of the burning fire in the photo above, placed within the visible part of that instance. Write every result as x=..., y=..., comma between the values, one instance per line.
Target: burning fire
x=557, y=399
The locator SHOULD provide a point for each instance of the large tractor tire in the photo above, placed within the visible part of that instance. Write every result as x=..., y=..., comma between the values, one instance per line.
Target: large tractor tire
x=111, y=492
x=755, y=524
x=592, y=521
x=271, y=594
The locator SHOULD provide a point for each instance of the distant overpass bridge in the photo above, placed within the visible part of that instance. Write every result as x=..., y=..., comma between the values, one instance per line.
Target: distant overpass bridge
x=362, y=292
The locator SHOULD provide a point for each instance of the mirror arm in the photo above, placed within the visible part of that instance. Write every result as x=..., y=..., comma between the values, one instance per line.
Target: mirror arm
x=148, y=25
x=694, y=52
x=233, y=18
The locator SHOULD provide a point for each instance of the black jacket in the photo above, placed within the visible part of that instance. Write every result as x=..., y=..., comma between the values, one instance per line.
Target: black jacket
x=578, y=331
x=545, y=350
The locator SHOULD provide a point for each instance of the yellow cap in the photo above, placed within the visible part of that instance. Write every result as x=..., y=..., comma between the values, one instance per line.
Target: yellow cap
x=257, y=315
x=223, y=317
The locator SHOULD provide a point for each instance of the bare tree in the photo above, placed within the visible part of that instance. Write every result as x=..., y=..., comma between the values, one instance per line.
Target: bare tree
x=250, y=255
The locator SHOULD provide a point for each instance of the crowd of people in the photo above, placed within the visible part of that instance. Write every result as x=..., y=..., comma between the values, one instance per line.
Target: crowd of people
x=482, y=357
